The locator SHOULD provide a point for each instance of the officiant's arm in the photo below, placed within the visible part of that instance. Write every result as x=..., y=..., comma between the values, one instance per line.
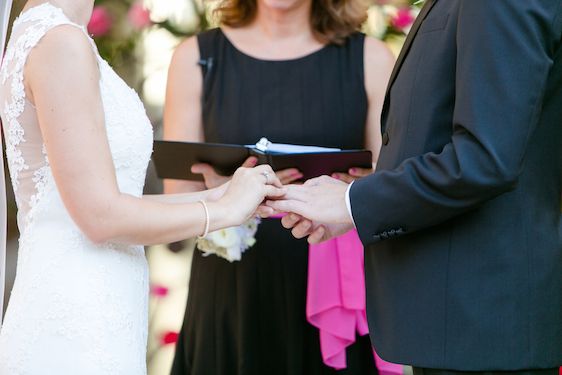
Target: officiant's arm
x=182, y=109
x=502, y=69
x=378, y=61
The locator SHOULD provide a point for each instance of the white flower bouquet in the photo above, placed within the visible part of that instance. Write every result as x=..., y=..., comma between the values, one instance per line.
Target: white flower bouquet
x=230, y=243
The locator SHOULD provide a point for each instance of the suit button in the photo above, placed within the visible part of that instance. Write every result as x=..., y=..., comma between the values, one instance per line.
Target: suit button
x=385, y=138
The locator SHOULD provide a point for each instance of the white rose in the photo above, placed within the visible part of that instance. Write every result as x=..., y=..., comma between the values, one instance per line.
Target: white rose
x=226, y=238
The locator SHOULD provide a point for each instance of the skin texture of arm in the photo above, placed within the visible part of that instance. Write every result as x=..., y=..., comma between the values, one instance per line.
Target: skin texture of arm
x=182, y=111
x=65, y=89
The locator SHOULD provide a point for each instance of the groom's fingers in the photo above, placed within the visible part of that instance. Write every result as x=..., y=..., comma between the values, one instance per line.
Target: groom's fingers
x=302, y=229
x=290, y=220
x=296, y=192
x=287, y=206
x=317, y=235
x=265, y=212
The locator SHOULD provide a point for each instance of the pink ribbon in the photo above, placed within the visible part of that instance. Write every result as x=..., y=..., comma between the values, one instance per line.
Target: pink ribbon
x=336, y=299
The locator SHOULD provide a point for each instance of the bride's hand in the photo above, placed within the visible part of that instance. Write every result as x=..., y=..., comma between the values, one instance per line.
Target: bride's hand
x=248, y=189
x=217, y=193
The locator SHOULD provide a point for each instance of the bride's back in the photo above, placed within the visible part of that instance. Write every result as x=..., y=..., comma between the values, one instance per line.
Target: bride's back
x=129, y=131
x=25, y=150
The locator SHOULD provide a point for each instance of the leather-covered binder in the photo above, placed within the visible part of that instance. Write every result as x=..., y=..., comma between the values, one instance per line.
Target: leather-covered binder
x=173, y=160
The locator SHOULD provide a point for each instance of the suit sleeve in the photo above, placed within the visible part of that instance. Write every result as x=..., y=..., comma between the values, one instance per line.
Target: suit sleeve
x=505, y=51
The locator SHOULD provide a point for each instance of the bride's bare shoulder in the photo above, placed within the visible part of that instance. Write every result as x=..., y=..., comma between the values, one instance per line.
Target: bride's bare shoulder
x=63, y=50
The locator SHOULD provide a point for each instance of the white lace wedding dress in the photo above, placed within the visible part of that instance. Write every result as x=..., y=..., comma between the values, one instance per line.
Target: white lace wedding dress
x=76, y=307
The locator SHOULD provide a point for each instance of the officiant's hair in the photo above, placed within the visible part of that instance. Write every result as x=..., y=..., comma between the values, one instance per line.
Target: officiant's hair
x=332, y=20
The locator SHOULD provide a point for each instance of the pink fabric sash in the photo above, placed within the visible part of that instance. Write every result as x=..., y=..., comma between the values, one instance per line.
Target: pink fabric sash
x=336, y=299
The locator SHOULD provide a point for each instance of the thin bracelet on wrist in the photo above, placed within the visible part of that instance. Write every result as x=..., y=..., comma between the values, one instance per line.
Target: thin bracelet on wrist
x=207, y=219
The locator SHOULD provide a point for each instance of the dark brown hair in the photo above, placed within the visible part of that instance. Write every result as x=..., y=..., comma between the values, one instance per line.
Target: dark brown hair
x=331, y=20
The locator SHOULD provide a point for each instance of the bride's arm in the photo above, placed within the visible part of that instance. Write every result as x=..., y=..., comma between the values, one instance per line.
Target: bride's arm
x=195, y=196
x=62, y=79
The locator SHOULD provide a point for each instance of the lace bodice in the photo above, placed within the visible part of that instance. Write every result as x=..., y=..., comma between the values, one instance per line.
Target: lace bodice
x=76, y=307
x=126, y=121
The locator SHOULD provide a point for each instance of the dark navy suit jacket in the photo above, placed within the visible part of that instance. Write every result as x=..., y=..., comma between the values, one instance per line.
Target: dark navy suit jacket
x=462, y=220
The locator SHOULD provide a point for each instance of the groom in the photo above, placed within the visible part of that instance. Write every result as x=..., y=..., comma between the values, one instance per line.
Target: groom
x=461, y=221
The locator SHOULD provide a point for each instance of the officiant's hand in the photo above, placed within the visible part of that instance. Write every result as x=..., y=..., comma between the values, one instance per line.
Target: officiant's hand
x=353, y=174
x=320, y=200
x=212, y=178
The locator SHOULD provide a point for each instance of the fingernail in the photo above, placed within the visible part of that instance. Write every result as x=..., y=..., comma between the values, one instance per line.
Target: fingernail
x=353, y=170
x=336, y=176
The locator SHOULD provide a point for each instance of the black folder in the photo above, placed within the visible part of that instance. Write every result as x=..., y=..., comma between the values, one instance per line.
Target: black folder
x=173, y=160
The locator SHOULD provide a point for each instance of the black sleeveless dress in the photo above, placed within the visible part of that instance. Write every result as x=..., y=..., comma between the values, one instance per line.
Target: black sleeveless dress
x=249, y=317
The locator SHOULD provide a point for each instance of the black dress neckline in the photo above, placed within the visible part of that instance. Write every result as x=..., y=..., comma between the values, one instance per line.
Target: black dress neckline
x=250, y=57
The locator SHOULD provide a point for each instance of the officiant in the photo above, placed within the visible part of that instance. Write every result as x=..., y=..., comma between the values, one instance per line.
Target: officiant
x=294, y=71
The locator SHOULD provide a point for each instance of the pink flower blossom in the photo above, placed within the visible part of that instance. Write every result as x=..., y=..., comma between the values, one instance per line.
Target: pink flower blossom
x=139, y=16
x=169, y=338
x=100, y=23
x=159, y=291
x=404, y=18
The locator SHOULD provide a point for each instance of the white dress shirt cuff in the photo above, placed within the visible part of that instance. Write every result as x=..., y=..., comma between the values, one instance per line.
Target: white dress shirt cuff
x=348, y=203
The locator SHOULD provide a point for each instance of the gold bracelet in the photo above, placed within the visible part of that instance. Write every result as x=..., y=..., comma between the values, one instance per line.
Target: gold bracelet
x=207, y=219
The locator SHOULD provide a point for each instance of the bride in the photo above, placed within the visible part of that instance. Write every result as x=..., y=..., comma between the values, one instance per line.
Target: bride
x=78, y=143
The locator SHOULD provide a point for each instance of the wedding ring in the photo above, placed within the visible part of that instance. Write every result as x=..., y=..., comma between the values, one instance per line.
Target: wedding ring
x=266, y=175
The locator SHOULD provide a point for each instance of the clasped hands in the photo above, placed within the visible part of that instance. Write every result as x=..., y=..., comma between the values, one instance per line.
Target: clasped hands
x=316, y=209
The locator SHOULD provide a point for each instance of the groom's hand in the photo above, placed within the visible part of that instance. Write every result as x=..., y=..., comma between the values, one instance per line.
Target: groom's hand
x=316, y=233
x=320, y=200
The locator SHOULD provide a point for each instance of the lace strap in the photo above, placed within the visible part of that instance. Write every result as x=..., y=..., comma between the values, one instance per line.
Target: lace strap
x=36, y=22
x=29, y=28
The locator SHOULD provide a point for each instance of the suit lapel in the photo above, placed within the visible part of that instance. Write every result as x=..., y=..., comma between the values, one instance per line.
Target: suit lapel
x=407, y=44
